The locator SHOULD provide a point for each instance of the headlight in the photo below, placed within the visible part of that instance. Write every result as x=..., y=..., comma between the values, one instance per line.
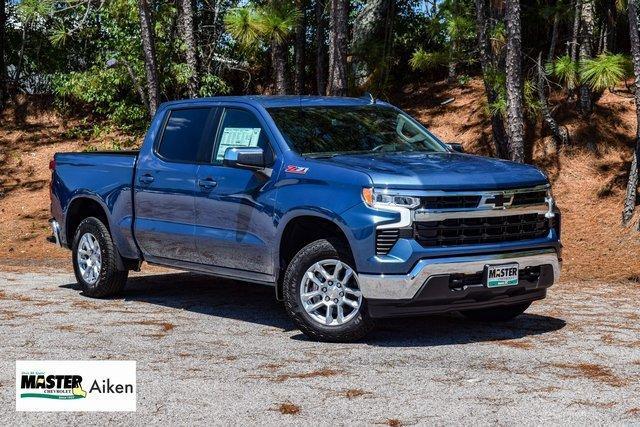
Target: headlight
x=375, y=198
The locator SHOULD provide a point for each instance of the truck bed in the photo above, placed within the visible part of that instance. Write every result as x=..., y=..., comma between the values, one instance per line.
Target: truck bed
x=103, y=176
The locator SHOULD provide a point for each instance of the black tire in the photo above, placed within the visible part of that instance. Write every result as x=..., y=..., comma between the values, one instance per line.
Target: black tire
x=497, y=314
x=352, y=330
x=110, y=280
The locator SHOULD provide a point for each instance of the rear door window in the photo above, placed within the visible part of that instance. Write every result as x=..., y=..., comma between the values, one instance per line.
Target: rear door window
x=183, y=134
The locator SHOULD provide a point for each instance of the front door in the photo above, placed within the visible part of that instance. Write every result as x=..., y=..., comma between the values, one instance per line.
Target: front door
x=234, y=207
x=165, y=185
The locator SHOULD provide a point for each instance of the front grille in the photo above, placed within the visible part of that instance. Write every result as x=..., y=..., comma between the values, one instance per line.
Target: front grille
x=449, y=202
x=472, y=201
x=532, y=198
x=469, y=231
x=385, y=239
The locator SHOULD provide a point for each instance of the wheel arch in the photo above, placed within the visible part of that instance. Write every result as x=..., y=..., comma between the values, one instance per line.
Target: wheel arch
x=81, y=207
x=300, y=229
x=85, y=206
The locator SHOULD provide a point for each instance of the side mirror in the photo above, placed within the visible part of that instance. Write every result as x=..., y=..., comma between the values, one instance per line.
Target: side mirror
x=244, y=158
x=456, y=147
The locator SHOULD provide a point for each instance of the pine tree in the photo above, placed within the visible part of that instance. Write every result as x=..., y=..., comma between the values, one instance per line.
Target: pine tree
x=514, y=85
x=190, y=43
x=338, y=35
x=149, y=50
x=632, y=184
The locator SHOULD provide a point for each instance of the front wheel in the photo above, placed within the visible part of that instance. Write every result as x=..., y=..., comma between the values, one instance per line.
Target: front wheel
x=94, y=260
x=497, y=314
x=322, y=293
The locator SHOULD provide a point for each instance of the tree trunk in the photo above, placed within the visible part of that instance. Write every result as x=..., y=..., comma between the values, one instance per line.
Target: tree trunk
x=300, y=47
x=587, y=30
x=190, y=42
x=632, y=184
x=612, y=20
x=3, y=67
x=321, y=49
x=560, y=135
x=279, y=64
x=149, y=50
x=451, y=77
x=338, y=33
x=577, y=12
x=554, y=38
x=515, y=114
x=370, y=42
x=18, y=73
x=602, y=39
x=497, y=123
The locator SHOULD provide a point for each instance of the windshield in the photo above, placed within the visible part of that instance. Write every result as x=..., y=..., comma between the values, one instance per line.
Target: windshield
x=322, y=131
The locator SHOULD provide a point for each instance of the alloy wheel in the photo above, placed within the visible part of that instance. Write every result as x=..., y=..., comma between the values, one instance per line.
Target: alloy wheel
x=89, y=258
x=330, y=292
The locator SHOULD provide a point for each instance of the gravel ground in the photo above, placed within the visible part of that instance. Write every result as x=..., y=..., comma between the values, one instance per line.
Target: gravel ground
x=222, y=352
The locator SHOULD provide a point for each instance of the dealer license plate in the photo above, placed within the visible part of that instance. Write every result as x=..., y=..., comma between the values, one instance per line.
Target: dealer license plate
x=496, y=276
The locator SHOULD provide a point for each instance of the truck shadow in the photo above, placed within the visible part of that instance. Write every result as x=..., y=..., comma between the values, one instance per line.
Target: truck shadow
x=257, y=304
x=452, y=329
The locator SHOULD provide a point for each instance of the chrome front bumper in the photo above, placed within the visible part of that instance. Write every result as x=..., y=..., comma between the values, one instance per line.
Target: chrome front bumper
x=406, y=286
x=55, y=231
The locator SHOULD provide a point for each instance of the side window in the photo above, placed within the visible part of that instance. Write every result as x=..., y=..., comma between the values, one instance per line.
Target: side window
x=183, y=134
x=240, y=128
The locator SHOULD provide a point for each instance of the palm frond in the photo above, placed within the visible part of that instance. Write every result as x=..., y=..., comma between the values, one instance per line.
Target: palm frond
x=422, y=60
x=565, y=70
x=460, y=28
x=277, y=21
x=242, y=23
x=604, y=71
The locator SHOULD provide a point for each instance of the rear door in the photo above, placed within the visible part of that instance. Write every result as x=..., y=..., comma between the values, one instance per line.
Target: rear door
x=166, y=183
x=234, y=207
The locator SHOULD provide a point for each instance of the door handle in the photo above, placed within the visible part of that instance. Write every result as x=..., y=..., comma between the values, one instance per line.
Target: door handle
x=207, y=184
x=146, y=179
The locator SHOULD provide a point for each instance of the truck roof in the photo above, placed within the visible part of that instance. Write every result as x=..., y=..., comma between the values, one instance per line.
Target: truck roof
x=283, y=101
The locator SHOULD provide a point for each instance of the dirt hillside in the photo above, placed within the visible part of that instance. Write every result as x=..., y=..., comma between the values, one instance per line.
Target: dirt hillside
x=588, y=184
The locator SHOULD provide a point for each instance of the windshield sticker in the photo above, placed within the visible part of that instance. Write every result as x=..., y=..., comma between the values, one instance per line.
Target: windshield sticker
x=237, y=137
x=296, y=169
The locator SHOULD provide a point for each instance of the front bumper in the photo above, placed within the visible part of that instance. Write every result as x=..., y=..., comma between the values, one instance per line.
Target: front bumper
x=447, y=284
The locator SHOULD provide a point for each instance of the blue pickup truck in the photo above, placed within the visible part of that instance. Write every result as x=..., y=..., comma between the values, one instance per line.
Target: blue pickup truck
x=349, y=208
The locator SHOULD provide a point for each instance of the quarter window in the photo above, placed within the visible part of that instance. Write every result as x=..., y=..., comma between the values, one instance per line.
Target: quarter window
x=183, y=134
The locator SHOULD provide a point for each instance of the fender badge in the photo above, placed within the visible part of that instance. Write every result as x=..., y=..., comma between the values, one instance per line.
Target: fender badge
x=296, y=169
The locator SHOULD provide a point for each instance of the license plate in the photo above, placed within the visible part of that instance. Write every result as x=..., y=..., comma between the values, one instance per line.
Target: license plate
x=496, y=276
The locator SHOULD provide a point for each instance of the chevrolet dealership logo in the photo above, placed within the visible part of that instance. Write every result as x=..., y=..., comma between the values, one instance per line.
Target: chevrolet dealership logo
x=75, y=385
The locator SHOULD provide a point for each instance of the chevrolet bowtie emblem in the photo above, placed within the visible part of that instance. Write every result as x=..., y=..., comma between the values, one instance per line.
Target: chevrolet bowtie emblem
x=499, y=200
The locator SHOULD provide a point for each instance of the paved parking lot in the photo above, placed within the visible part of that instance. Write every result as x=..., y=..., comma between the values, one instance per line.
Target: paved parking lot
x=223, y=352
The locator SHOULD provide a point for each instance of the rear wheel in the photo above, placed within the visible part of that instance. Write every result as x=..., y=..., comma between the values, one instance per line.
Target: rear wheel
x=497, y=314
x=322, y=294
x=95, y=260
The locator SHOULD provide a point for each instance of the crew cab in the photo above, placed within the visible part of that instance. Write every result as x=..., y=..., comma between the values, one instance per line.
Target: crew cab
x=350, y=208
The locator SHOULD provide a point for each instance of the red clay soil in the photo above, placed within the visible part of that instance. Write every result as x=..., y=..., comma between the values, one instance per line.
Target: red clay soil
x=588, y=185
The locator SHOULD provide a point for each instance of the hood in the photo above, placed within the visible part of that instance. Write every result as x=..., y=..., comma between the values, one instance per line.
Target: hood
x=441, y=171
